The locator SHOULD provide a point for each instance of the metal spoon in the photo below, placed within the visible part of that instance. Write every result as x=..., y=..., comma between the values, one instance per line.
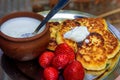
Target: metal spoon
x=58, y=6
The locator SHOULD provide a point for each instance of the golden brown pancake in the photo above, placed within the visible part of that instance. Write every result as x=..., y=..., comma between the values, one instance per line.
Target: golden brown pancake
x=111, y=44
x=102, y=74
x=54, y=27
x=92, y=53
x=67, y=25
x=93, y=24
x=98, y=25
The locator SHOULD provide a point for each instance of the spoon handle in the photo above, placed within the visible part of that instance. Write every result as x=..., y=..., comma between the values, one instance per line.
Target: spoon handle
x=58, y=6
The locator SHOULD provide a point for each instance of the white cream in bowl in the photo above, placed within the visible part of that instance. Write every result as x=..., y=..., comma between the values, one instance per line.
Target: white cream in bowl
x=18, y=26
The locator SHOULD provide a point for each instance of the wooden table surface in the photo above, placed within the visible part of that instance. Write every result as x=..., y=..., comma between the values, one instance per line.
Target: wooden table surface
x=8, y=6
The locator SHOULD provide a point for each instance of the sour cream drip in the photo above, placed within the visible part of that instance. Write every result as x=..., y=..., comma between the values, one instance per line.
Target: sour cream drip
x=77, y=34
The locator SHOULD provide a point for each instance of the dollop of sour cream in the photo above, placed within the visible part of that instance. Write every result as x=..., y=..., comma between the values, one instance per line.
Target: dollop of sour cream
x=77, y=34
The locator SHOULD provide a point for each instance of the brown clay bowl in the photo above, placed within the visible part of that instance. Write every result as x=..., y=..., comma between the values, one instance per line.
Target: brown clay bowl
x=24, y=49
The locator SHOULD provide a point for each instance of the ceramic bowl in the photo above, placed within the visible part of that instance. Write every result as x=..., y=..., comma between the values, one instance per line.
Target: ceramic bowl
x=24, y=49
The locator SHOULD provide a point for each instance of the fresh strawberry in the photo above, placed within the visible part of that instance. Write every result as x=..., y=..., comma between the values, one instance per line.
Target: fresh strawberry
x=46, y=58
x=60, y=61
x=50, y=73
x=74, y=71
x=64, y=48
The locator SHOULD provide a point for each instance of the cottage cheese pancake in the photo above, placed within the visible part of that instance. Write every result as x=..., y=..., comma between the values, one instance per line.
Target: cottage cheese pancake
x=98, y=25
x=93, y=24
x=92, y=55
x=111, y=44
x=58, y=31
x=66, y=26
x=54, y=27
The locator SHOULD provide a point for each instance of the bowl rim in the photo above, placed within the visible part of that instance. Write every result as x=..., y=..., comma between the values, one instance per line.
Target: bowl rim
x=23, y=14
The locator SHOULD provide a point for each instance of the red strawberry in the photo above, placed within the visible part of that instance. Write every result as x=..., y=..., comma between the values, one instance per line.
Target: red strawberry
x=63, y=48
x=46, y=58
x=60, y=61
x=74, y=71
x=50, y=73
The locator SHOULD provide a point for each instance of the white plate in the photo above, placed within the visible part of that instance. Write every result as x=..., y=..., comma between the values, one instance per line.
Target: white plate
x=111, y=72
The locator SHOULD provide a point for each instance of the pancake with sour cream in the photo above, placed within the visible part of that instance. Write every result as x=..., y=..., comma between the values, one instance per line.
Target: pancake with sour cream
x=95, y=49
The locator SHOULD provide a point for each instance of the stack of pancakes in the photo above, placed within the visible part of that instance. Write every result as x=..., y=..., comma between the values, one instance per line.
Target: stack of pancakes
x=96, y=50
